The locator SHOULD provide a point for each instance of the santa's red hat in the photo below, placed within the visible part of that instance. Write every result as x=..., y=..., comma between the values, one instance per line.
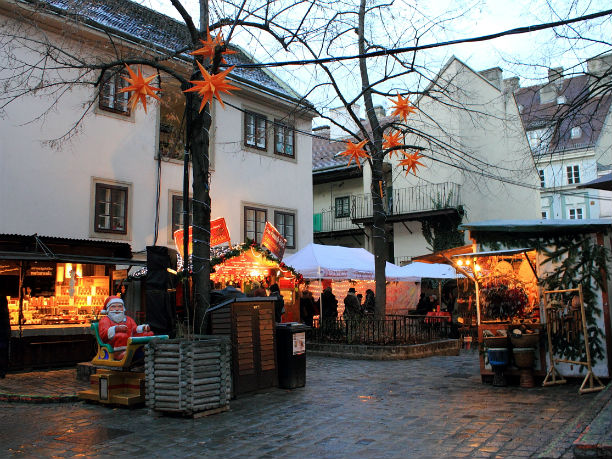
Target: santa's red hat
x=112, y=300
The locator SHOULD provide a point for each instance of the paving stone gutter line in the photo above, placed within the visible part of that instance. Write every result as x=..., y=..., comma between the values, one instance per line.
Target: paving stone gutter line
x=589, y=434
x=31, y=398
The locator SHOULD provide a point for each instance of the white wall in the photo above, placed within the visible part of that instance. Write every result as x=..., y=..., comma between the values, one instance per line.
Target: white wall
x=48, y=190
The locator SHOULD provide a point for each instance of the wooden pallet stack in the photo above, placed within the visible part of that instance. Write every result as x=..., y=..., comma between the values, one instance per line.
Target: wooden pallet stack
x=189, y=377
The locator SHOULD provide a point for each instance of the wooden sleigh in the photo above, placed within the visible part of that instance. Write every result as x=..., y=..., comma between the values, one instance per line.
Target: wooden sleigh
x=114, y=382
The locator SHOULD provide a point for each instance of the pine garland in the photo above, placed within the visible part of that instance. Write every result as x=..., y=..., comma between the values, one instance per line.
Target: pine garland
x=578, y=261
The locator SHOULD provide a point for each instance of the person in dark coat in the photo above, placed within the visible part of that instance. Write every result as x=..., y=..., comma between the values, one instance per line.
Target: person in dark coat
x=351, y=305
x=279, y=303
x=369, y=305
x=329, y=304
x=307, y=307
x=5, y=336
x=258, y=290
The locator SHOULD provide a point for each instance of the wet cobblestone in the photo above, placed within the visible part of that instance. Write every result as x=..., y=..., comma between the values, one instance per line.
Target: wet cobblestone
x=434, y=407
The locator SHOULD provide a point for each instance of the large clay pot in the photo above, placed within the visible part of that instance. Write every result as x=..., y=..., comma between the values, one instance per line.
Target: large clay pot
x=524, y=358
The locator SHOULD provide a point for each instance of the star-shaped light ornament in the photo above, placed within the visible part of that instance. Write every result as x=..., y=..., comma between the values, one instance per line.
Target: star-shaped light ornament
x=355, y=151
x=411, y=162
x=211, y=86
x=392, y=140
x=140, y=88
x=402, y=107
x=209, y=45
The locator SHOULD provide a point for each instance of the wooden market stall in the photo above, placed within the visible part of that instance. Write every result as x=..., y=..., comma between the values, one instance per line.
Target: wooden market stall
x=537, y=276
x=54, y=287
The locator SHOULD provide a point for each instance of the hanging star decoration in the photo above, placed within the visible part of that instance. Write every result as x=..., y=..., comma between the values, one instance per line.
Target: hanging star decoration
x=392, y=140
x=402, y=107
x=411, y=161
x=355, y=151
x=140, y=87
x=211, y=86
x=209, y=45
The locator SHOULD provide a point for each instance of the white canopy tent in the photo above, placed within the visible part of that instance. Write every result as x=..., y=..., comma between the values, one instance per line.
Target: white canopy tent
x=316, y=261
x=430, y=270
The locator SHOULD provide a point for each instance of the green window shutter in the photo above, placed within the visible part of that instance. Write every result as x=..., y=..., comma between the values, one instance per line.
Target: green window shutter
x=317, y=222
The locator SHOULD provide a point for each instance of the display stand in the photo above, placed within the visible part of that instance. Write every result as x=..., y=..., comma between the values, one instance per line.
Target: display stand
x=594, y=383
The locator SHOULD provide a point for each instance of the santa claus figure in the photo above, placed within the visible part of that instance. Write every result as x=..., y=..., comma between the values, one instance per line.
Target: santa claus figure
x=115, y=327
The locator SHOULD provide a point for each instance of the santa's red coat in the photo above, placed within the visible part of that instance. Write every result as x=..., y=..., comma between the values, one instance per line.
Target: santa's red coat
x=118, y=340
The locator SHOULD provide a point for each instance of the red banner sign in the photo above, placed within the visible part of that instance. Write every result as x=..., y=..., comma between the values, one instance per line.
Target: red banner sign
x=178, y=241
x=274, y=241
x=218, y=232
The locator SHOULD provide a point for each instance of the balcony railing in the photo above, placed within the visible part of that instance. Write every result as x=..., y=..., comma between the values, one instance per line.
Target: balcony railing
x=424, y=198
x=326, y=222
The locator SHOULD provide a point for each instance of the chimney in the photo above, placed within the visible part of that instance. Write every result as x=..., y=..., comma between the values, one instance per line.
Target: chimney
x=341, y=116
x=555, y=74
x=380, y=112
x=321, y=131
x=599, y=69
x=494, y=76
x=511, y=85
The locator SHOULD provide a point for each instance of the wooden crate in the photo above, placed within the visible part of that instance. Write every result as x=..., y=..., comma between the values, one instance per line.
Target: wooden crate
x=188, y=377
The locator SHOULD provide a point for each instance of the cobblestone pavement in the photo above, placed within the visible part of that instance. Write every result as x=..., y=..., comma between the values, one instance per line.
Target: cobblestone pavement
x=434, y=407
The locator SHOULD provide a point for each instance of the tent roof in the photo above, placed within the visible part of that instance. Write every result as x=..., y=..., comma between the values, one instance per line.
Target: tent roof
x=316, y=261
x=431, y=270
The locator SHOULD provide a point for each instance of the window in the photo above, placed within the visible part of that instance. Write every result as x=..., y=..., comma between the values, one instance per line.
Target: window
x=576, y=133
x=561, y=100
x=255, y=127
x=542, y=181
x=284, y=140
x=343, y=207
x=177, y=213
x=110, y=98
x=575, y=214
x=254, y=223
x=539, y=139
x=111, y=209
x=285, y=224
x=573, y=175
x=544, y=215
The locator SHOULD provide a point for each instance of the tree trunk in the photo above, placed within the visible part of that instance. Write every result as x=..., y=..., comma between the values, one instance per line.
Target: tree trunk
x=198, y=129
x=377, y=186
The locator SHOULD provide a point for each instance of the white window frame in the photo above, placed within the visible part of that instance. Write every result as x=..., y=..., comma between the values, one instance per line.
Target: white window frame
x=257, y=131
x=576, y=132
x=573, y=174
x=575, y=213
x=93, y=227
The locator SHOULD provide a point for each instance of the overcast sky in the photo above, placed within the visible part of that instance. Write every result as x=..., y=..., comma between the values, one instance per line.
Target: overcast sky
x=527, y=56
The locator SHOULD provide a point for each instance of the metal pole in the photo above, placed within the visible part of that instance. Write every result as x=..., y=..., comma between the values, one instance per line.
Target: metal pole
x=186, y=231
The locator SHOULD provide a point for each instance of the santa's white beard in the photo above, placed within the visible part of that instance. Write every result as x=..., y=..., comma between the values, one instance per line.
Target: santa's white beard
x=117, y=316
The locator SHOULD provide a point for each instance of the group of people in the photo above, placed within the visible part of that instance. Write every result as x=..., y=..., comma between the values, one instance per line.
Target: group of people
x=354, y=305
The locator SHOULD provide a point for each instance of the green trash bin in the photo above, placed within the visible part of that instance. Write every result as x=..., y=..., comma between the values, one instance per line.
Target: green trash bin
x=291, y=354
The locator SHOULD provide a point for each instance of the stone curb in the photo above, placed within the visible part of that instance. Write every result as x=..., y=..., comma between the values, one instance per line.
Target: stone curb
x=573, y=430
x=27, y=398
x=372, y=352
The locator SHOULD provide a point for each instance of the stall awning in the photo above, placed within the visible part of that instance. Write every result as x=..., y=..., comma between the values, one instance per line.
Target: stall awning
x=539, y=226
x=493, y=253
x=442, y=256
x=69, y=258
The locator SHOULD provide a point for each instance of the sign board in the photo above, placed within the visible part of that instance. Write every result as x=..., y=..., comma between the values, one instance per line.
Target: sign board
x=218, y=232
x=178, y=240
x=299, y=343
x=120, y=274
x=274, y=241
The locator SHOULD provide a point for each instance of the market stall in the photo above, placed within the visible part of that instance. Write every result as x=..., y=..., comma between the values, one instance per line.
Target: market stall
x=344, y=267
x=247, y=266
x=54, y=287
x=527, y=270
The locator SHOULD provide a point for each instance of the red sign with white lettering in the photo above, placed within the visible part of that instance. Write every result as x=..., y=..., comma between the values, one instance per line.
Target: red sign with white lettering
x=218, y=232
x=274, y=241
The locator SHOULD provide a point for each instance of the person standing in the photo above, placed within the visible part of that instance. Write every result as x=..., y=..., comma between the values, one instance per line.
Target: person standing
x=307, y=307
x=5, y=336
x=369, y=305
x=279, y=303
x=329, y=304
x=351, y=305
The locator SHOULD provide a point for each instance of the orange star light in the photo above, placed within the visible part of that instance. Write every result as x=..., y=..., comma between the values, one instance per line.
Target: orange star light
x=411, y=161
x=355, y=151
x=402, y=107
x=209, y=45
x=392, y=140
x=140, y=87
x=211, y=85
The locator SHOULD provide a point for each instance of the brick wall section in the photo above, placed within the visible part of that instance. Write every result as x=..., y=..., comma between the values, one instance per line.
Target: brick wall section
x=402, y=352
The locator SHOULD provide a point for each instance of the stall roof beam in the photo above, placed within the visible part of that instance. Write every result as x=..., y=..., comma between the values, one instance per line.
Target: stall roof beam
x=67, y=258
x=492, y=253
